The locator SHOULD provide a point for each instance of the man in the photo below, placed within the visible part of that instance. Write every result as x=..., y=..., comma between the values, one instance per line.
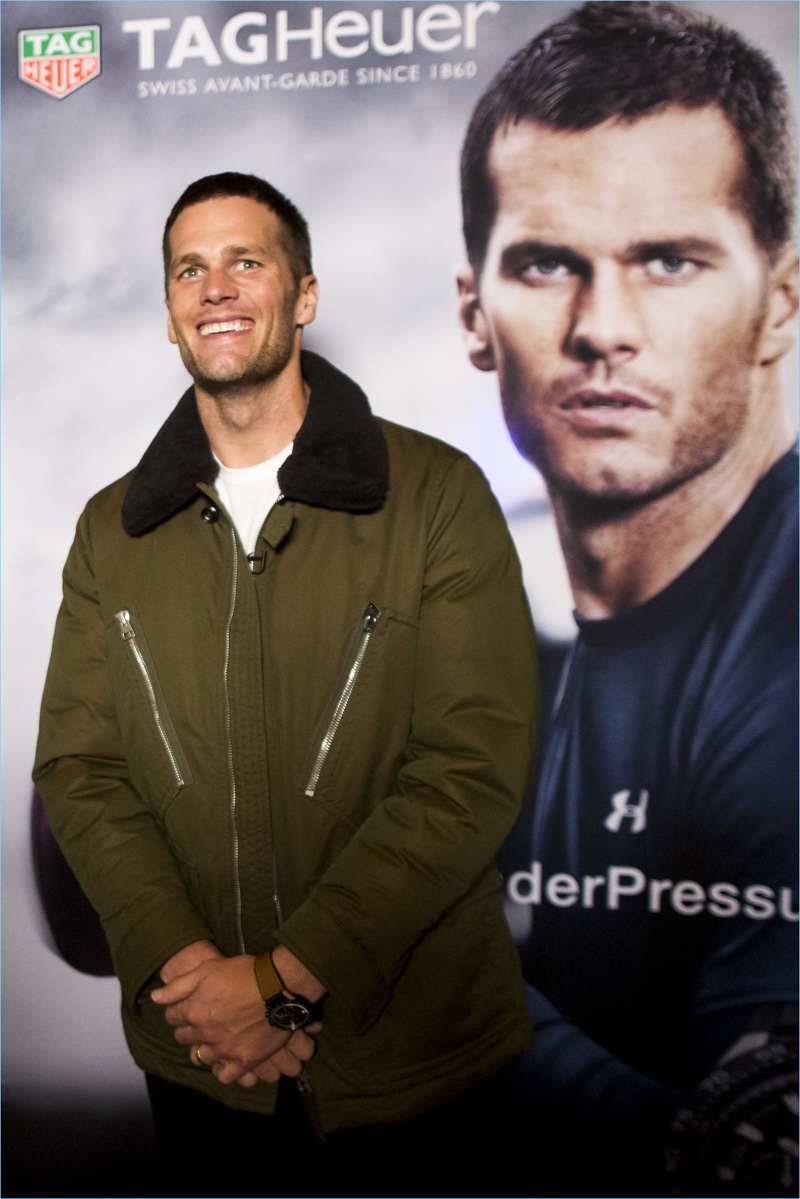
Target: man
x=627, y=182
x=285, y=728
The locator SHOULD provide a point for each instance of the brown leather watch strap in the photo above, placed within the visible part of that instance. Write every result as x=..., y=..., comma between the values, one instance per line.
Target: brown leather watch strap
x=269, y=981
x=279, y=976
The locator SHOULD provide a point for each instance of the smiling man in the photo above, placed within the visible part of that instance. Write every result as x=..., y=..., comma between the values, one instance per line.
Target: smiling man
x=287, y=723
x=627, y=183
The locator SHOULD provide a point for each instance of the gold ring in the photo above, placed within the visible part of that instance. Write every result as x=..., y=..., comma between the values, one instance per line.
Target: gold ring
x=200, y=1061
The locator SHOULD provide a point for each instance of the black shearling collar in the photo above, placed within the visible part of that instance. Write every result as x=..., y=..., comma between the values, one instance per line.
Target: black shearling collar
x=339, y=459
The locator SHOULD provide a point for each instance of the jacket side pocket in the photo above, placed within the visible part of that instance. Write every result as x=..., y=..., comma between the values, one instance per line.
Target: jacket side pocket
x=337, y=705
x=130, y=631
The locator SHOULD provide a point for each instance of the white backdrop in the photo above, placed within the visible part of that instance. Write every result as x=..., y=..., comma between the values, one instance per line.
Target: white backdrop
x=88, y=374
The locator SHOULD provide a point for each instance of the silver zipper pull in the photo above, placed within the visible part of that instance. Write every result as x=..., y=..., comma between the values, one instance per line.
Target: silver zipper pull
x=371, y=614
x=125, y=627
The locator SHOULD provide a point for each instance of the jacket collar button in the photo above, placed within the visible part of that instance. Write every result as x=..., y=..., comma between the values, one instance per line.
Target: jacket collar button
x=210, y=514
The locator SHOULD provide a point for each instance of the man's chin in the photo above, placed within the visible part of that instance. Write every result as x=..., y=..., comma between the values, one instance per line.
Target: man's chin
x=213, y=380
x=606, y=478
x=598, y=470
x=230, y=375
x=615, y=470
x=611, y=494
x=208, y=373
x=231, y=381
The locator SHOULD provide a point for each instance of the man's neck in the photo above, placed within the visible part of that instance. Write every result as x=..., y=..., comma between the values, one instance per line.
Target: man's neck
x=620, y=556
x=247, y=425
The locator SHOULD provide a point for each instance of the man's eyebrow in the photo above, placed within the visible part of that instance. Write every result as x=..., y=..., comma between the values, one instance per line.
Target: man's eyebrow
x=188, y=259
x=673, y=247
x=245, y=251
x=192, y=258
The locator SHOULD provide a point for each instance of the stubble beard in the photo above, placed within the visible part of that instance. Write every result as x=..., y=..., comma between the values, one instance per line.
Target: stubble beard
x=601, y=491
x=229, y=384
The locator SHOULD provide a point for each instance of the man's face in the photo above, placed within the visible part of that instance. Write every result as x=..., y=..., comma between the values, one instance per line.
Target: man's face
x=623, y=301
x=235, y=310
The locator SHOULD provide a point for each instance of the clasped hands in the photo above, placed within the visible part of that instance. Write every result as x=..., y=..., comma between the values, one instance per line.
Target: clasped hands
x=214, y=1005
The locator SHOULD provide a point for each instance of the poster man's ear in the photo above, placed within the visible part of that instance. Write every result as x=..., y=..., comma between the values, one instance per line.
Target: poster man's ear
x=780, y=331
x=473, y=321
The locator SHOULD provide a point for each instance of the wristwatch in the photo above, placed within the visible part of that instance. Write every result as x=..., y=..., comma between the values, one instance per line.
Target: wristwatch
x=285, y=1009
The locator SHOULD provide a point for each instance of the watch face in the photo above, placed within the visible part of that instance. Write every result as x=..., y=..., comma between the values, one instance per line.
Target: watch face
x=288, y=1014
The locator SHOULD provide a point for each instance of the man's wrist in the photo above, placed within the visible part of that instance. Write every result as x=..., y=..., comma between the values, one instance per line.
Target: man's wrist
x=269, y=981
x=188, y=958
x=286, y=1010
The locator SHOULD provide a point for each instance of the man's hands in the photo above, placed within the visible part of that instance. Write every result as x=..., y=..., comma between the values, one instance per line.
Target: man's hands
x=187, y=959
x=214, y=1005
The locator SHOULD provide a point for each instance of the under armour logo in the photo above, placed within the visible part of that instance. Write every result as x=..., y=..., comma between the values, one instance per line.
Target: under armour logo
x=622, y=810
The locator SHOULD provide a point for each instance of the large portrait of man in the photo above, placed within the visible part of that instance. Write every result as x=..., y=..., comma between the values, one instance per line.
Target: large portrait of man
x=628, y=191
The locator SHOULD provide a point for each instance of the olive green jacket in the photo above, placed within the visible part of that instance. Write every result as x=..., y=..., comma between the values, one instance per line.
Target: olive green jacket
x=323, y=748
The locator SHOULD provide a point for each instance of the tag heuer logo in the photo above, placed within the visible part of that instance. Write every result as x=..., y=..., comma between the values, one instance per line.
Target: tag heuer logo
x=58, y=61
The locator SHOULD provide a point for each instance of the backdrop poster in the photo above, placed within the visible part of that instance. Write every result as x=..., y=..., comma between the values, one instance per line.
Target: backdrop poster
x=109, y=111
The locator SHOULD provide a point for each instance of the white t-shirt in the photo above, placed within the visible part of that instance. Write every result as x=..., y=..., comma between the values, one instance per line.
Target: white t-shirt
x=248, y=493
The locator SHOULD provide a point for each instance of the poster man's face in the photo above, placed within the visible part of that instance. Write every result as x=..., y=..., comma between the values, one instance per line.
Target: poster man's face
x=623, y=302
x=234, y=307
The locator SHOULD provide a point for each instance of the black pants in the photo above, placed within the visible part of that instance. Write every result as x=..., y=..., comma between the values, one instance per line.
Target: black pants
x=207, y=1149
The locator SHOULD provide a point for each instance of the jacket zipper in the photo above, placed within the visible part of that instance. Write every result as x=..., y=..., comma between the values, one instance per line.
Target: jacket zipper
x=229, y=740
x=369, y=620
x=128, y=632
x=257, y=564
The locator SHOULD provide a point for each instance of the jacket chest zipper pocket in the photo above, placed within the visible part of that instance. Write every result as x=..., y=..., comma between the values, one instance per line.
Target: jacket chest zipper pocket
x=336, y=708
x=129, y=636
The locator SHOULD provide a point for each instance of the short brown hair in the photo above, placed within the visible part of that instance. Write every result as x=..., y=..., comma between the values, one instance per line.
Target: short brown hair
x=622, y=61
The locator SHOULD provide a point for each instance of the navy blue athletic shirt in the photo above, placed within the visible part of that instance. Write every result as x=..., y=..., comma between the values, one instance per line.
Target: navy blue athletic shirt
x=662, y=863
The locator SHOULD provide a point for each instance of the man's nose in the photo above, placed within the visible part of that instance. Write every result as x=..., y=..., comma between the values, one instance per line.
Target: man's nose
x=606, y=323
x=219, y=285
